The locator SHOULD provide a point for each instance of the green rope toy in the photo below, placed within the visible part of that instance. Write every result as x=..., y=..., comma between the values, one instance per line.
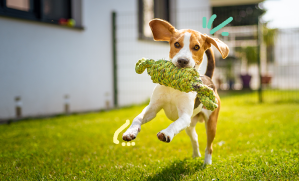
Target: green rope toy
x=184, y=79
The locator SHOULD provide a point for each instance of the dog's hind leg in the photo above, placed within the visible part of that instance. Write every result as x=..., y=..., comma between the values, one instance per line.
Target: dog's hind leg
x=191, y=132
x=148, y=113
x=211, y=124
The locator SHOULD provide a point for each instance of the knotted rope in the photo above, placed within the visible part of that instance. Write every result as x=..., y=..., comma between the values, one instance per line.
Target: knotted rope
x=184, y=79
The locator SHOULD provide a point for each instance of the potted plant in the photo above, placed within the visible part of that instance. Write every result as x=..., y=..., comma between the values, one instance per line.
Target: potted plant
x=269, y=40
x=230, y=72
x=251, y=57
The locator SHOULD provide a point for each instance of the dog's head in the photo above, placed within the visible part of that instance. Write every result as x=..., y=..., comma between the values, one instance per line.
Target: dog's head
x=187, y=46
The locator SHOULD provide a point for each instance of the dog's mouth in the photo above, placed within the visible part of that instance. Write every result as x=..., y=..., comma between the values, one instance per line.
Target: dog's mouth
x=179, y=66
x=184, y=66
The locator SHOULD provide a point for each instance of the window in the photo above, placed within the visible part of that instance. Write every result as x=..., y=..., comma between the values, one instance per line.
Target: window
x=243, y=14
x=54, y=10
x=19, y=8
x=60, y=12
x=22, y=5
x=1, y=6
x=148, y=10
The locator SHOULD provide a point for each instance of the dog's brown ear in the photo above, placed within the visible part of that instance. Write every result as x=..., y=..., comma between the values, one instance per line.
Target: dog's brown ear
x=162, y=30
x=222, y=47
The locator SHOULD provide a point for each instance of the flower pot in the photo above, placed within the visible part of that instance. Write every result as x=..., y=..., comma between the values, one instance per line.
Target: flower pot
x=246, y=81
x=266, y=79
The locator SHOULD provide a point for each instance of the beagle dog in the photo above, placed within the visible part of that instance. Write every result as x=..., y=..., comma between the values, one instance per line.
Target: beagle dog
x=187, y=48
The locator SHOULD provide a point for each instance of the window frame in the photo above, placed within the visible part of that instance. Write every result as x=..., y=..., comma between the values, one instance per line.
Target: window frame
x=36, y=13
x=1, y=6
x=30, y=15
x=55, y=21
x=141, y=35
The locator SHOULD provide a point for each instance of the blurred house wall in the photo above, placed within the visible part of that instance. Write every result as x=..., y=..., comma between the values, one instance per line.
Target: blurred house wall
x=42, y=63
x=286, y=60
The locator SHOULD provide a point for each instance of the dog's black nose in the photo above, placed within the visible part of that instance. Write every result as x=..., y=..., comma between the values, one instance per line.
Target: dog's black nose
x=183, y=62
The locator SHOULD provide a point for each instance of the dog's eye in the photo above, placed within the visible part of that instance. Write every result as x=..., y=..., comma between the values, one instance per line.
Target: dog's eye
x=196, y=47
x=177, y=44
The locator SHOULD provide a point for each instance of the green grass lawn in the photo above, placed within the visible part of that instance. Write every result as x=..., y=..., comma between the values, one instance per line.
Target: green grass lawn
x=261, y=142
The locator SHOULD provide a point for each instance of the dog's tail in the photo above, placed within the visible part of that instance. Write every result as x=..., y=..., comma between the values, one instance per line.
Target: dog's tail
x=211, y=63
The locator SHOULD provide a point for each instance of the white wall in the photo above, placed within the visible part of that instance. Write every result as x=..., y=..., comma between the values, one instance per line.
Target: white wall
x=191, y=12
x=42, y=63
x=285, y=68
x=286, y=47
x=132, y=87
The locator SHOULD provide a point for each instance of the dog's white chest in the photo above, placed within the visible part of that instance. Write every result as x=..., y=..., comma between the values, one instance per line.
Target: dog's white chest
x=173, y=101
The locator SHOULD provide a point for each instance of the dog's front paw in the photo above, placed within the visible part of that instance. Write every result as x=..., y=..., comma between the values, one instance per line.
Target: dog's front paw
x=196, y=154
x=130, y=134
x=164, y=136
